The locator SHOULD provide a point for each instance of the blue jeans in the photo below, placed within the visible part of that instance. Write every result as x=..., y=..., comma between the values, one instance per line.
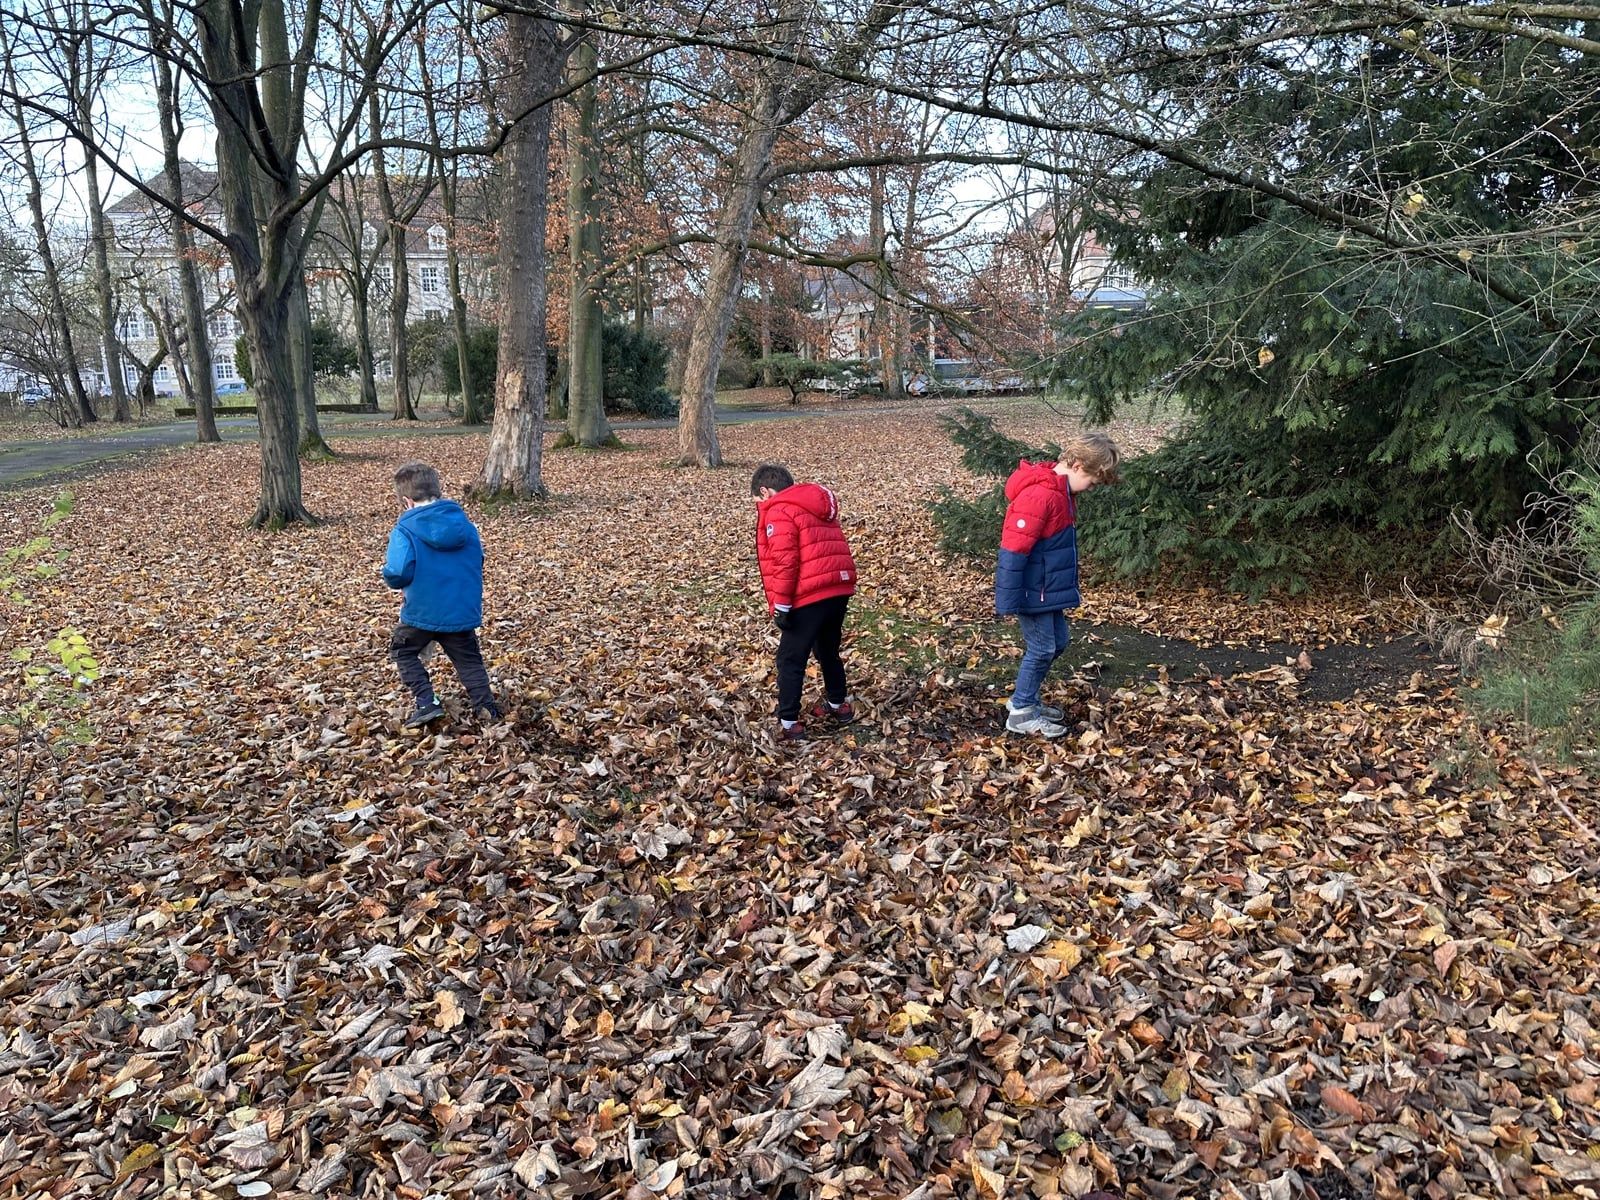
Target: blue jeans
x=1044, y=637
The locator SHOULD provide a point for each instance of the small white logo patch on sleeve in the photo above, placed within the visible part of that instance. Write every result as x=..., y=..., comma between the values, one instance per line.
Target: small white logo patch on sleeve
x=1021, y=524
x=845, y=575
x=769, y=530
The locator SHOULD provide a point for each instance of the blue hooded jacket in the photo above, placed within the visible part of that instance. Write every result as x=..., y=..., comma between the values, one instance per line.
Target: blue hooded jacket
x=436, y=557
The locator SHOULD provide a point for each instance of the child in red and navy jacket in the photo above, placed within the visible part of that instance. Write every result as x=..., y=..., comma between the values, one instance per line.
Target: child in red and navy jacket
x=1037, y=575
x=809, y=577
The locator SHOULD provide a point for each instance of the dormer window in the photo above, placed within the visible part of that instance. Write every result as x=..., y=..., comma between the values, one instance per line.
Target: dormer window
x=437, y=238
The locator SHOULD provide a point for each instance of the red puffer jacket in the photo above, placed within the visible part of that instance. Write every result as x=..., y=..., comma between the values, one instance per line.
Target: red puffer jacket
x=802, y=551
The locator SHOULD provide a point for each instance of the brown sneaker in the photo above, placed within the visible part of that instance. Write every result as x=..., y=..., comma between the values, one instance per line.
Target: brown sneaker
x=842, y=715
x=791, y=733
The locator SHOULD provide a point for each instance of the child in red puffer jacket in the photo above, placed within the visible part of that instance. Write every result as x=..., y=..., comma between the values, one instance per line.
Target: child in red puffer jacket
x=809, y=576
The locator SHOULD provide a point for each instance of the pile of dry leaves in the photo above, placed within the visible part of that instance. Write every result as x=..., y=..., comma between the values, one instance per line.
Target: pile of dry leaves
x=1225, y=940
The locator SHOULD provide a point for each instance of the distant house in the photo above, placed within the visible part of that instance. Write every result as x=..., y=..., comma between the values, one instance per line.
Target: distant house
x=1055, y=271
x=144, y=261
x=842, y=310
x=848, y=319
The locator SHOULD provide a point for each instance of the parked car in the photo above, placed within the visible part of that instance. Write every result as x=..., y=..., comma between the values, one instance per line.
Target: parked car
x=233, y=387
x=32, y=397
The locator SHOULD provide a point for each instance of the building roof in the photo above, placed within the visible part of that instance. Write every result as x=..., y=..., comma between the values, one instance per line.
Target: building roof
x=198, y=183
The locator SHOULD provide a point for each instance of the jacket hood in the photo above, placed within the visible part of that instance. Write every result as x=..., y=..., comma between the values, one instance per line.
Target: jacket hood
x=442, y=525
x=815, y=499
x=1032, y=474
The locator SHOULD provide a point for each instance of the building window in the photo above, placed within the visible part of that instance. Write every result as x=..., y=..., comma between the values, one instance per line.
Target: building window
x=429, y=277
x=437, y=238
x=369, y=236
x=225, y=371
x=163, y=374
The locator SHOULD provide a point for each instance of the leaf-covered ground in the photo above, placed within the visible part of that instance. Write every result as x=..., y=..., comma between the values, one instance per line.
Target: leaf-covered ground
x=1225, y=940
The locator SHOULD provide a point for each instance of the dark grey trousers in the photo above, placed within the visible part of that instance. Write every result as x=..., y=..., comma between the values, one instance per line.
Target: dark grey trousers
x=405, y=651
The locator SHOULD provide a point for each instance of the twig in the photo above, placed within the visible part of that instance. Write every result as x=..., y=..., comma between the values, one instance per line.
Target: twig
x=14, y=816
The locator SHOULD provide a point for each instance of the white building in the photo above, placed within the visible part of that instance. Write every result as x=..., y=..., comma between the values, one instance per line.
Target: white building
x=144, y=263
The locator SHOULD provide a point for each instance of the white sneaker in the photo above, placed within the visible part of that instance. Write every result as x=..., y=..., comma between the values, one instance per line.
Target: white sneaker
x=1033, y=720
x=1044, y=710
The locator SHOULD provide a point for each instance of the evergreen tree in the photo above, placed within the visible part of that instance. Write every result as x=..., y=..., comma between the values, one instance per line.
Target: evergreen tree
x=1352, y=387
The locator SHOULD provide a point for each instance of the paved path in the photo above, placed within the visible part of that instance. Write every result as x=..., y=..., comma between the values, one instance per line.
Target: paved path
x=39, y=461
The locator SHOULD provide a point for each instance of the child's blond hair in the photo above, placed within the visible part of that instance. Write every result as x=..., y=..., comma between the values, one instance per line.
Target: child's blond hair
x=1096, y=453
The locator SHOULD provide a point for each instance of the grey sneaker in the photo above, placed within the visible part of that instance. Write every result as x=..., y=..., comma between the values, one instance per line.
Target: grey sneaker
x=1049, y=711
x=425, y=714
x=1033, y=720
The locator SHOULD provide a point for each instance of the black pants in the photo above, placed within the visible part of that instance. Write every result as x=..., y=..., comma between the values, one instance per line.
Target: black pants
x=815, y=629
x=405, y=652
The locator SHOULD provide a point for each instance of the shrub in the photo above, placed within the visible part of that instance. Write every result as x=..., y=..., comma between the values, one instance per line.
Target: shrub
x=483, y=358
x=1537, y=658
x=333, y=355
x=736, y=374
x=635, y=365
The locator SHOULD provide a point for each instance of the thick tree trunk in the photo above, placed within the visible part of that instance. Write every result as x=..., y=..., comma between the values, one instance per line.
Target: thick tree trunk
x=267, y=333
x=586, y=401
x=263, y=267
x=200, y=380
x=697, y=422
x=512, y=466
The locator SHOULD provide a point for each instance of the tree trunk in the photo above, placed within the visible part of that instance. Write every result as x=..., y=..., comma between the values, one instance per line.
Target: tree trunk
x=449, y=192
x=400, y=267
x=104, y=291
x=312, y=444
x=556, y=403
x=267, y=324
x=777, y=101
x=81, y=410
x=263, y=267
x=697, y=423
x=768, y=377
x=83, y=84
x=200, y=379
x=512, y=466
x=399, y=343
x=279, y=108
x=366, y=360
x=586, y=402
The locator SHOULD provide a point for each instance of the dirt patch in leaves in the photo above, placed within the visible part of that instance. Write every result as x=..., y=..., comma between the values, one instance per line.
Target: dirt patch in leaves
x=1230, y=938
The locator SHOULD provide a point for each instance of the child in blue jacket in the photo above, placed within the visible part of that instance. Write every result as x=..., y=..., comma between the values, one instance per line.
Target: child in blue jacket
x=436, y=558
x=1037, y=575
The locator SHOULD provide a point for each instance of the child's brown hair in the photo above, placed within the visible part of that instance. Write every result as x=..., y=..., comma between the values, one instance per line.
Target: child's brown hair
x=1096, y=453
x=417, y=481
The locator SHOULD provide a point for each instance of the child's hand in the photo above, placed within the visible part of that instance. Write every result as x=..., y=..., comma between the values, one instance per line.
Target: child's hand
x=783, y=619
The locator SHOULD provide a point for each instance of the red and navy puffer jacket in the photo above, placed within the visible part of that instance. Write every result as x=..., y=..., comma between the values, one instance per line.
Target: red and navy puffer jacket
x=802, y=551
x=1038, y=567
